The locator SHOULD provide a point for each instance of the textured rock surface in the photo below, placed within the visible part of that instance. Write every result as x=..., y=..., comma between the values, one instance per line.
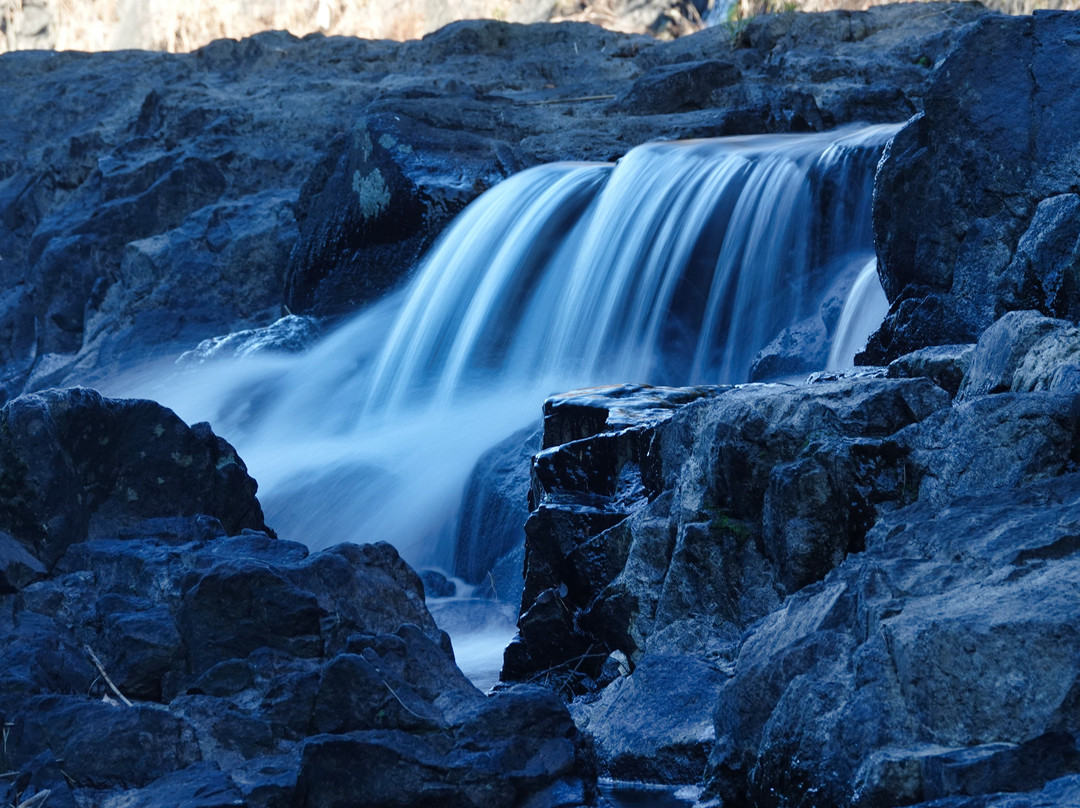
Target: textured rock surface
x=150, y=201
x=241, y=669
x=975, y=202
x=75, y=466
x=835, y=590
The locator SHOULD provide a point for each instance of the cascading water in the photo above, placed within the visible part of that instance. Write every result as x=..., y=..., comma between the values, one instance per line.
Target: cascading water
x=674, y=266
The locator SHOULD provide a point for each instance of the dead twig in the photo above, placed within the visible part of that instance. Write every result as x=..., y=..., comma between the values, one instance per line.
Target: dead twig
x=576, y=100
x=105, y=676
x=37, y=800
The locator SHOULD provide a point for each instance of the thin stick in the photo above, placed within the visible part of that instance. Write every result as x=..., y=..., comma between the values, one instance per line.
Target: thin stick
x=37, y=800
x=105, y=676
x=568, y=100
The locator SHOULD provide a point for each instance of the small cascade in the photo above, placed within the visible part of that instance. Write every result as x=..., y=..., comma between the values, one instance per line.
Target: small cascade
x=864, y=309
x=674, y=266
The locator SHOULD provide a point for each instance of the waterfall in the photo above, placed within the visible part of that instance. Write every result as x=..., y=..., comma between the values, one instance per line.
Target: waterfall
x=864, y=309
x=675, y=265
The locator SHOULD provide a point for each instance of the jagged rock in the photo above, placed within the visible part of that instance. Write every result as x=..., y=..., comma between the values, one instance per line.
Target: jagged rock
x=906, y=674
x=78, y=466
x=954, y=256
x=1022, y=352
x=944, y=365
x=666, y=522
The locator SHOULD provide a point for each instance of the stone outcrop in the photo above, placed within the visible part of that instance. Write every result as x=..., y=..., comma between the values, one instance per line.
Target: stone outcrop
x=160, y=649
x=975, y=201
x=151, y=201
x=834, y=590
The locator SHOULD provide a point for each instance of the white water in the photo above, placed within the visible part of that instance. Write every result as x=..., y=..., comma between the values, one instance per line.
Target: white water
x=864, y=309
x=674, y=266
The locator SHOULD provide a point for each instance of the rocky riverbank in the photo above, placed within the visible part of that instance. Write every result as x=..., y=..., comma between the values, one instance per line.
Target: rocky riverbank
x=859, y=591
x=855, y=592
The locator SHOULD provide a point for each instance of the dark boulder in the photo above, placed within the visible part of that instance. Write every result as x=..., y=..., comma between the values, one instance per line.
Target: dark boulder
x=76, y=466
x=157, y=660
x=376, y=202
x=974, y=197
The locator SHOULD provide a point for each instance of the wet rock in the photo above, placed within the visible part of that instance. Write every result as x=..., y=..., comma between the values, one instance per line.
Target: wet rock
x=437, y=585
x=290, y=334
x=954, y=257
x=796, y=350
x=494, y=509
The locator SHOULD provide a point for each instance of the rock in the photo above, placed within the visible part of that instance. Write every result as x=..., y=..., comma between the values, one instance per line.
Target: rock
x=954, y=258
x=1022, y=352
x=655, y=725
x=290, y=334
x=375, y=204
x=678, y=87
x=215, y=665
x=899, y=677
x=437, y=585
x=667, y=521
x=992, y=441
x=76, y=466
x=945, y=365
x=796, y=350
x=494, y=508
x=144, y=741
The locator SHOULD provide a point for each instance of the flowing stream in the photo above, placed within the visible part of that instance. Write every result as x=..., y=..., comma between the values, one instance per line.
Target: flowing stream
x=675, y=265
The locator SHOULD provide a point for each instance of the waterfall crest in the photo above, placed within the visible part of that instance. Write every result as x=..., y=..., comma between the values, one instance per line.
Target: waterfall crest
x=674, y=266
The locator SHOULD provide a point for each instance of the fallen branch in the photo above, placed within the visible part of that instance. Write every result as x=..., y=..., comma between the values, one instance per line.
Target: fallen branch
x=37, y=800
x=105, y=676
x=568, y=100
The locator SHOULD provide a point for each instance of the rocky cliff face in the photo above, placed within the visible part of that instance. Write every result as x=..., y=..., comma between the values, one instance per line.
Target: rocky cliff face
x=858, y=591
